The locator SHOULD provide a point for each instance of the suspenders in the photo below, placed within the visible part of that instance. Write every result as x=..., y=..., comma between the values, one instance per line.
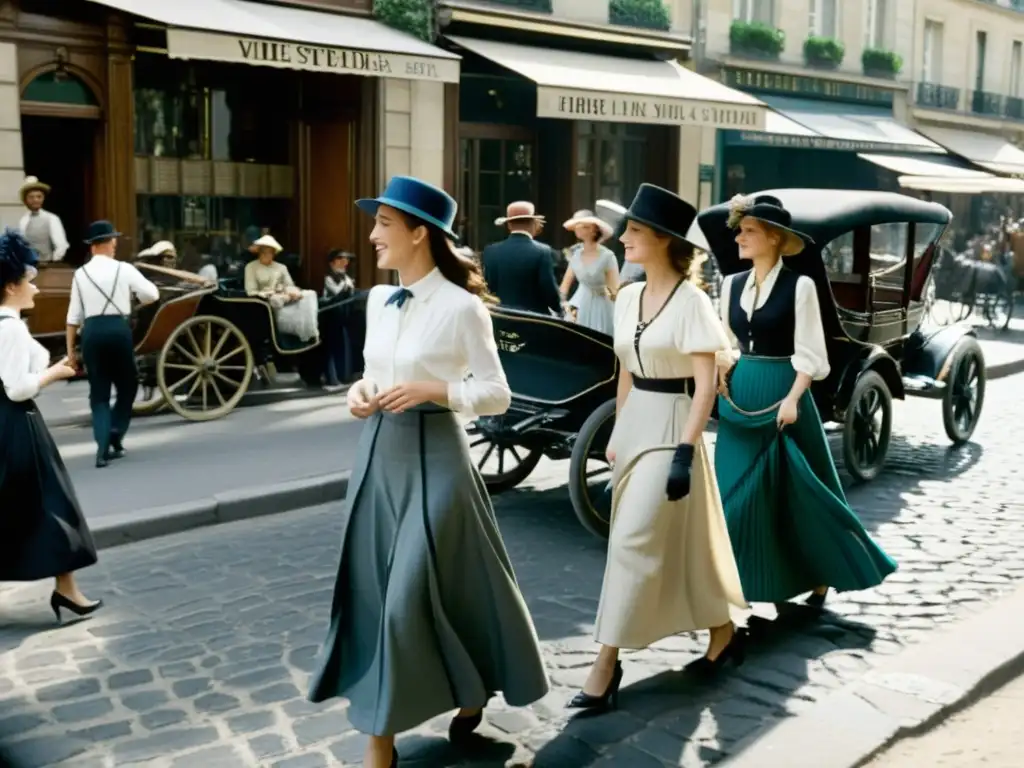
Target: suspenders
x=109, y=299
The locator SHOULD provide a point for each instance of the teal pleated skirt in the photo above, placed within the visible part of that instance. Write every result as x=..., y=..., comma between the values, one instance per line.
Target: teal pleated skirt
x=791, y=527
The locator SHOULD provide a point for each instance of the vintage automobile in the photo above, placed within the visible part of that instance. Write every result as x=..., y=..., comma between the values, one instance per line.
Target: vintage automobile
x=872, y=256
x=200, y=346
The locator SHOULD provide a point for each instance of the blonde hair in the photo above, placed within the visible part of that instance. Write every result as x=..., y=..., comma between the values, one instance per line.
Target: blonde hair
x=687, y=259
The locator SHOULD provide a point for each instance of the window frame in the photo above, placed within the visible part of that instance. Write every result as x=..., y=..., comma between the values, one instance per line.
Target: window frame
x=816, y=14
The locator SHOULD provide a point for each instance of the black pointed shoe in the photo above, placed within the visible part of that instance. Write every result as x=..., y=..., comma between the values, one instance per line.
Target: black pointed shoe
x=735, y=651
x=607, y=700
x=461, y=728
x=59, y=601
x=817, y=599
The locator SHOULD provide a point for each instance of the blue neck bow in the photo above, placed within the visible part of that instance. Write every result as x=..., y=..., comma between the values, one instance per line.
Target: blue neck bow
x=399, y=297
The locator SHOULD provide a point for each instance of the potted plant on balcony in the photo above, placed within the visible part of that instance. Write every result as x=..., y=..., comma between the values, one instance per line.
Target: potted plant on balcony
x=881, y=63
x=755, y=40
x=649, y=14
x=412, y=16
x=823, y=52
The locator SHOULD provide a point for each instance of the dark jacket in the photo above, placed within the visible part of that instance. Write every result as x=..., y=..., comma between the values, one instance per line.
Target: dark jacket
x=520, y=272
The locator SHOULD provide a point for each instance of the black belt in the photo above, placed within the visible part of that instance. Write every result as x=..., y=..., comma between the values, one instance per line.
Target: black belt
x=684, y=386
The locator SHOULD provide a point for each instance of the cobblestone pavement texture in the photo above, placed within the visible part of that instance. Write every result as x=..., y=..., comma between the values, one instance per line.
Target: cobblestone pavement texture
x=987, y=735
x=202, y=654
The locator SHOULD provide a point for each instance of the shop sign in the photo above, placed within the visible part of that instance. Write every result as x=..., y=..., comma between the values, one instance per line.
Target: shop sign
x=188, y=44
x=652, y=110
x=806, y=87
x=751, y=138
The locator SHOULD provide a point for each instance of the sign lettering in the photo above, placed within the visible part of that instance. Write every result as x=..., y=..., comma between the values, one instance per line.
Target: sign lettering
x=802, y=85
x=577, y=105
x=749, y=138
x=188, y=44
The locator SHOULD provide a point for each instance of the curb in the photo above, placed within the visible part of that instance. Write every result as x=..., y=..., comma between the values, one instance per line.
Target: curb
x=225, y=507
x=907, y=695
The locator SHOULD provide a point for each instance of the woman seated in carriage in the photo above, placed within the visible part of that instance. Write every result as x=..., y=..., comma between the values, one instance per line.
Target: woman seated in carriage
x=295, y=310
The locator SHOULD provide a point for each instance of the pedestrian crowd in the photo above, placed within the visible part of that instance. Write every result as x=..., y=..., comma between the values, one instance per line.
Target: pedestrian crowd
x=427, y=616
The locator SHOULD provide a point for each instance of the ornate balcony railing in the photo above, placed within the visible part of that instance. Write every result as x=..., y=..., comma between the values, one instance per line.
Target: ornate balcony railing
x=977, y=103
x=935, y=96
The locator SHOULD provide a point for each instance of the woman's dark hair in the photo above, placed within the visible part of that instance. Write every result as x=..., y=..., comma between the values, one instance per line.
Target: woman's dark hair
x=457, y=269
x=16, y=258
x=687, y=260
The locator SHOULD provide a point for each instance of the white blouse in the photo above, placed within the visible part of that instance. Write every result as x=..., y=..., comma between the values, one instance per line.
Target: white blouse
x=22, y=358
x=810, y=355
x=442, y=333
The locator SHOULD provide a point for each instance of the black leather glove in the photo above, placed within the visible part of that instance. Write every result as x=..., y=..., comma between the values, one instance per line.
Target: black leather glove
x=678, y=484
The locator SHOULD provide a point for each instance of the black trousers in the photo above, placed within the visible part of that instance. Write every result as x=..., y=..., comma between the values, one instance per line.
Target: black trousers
x=109, y=357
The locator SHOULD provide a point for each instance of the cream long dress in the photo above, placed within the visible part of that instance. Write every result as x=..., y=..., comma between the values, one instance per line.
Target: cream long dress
x=670, y=565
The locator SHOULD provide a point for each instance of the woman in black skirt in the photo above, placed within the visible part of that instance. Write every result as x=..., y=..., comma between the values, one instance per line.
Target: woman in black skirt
x=427, y=616
x=42, y=531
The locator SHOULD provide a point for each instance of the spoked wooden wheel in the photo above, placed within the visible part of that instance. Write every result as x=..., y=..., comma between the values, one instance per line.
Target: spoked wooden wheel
x=965, y=392
x=204, y=368
x=501, y=462
x=998, y=308
x=590, y=473
x=150, y=401
x=867, y=428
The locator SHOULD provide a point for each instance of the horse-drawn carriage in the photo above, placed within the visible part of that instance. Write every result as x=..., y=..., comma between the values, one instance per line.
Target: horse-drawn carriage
x=872, y=256
x=200, y=345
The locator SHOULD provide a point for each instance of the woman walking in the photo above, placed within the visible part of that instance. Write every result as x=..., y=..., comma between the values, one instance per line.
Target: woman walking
x=670, y=567
x=791, y=528
x=42, y=531
x=596, y=270
x=427, y=616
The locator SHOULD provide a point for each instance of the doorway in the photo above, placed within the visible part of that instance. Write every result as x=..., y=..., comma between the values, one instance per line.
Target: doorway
x=497, y=164
x=60, y=152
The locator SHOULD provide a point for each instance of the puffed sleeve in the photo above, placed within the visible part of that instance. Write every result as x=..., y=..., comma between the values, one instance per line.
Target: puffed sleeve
x=700, y=330
x=485, y=392
x=810, y=355
x=251, y=286
x=727, y=357
x=16, y=351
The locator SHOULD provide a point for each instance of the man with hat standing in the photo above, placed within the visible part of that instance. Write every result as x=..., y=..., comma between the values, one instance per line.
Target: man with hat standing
x=101, y=293
x=519, y=270
x=43, y=230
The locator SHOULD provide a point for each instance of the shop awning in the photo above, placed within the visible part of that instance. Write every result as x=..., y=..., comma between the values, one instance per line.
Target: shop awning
x=961, y=186
x=983, y=149
x=243, y=32
x=937, y=167
x=585, y=86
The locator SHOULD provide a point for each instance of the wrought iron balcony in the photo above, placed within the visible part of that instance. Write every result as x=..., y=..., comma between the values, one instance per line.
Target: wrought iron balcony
x=987, y=104
x=539, y=6
x=1014, y=106
x=935, y=96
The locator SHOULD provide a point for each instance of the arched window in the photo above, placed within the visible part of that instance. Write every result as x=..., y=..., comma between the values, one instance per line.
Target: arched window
x=58, y=87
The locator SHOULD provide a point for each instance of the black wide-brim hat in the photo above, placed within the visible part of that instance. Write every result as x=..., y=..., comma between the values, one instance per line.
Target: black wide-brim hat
x=417, y=198
x=100, y=231
x=662, y=211
x=769, y=210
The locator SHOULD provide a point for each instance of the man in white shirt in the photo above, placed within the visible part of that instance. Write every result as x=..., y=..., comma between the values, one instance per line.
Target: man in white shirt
x=43, y=230
x=101, y=293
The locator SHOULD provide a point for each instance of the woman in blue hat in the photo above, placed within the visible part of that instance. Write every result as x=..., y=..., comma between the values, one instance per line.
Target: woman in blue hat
x=42, y=531
x=427, y=616
x=790, y=526
x=670, y=567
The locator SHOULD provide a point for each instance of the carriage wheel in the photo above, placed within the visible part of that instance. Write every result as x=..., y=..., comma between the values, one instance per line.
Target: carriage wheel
x=965, y=392
x=590, y=473
x=999, y=309
x=502, y=464
x=867, y=428
x=151, y=402
x=204, y=368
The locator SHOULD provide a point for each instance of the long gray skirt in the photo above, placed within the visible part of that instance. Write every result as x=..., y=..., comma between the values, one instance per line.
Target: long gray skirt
x=427, y=616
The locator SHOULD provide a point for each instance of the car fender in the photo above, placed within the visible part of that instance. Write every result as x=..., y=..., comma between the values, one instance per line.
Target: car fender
x=929, y=354
x=869, y=359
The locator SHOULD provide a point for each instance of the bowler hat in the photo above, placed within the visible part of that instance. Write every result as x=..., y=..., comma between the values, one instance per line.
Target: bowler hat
x=417, y=198
x=100, y=232
x=770, y=210
x=663, y=211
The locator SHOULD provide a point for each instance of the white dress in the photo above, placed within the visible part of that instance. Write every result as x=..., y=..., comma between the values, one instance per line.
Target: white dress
x=670, y=565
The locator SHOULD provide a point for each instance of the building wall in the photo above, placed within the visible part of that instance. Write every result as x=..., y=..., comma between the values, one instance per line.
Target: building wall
x=594, y=11
x=412, y=130
x=11, y=162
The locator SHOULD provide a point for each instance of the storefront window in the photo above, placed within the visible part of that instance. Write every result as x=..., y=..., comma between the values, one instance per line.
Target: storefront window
x=611, y=162
x=213, y=157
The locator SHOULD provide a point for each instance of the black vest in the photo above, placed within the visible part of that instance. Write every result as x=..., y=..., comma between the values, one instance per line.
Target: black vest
x=769, y=332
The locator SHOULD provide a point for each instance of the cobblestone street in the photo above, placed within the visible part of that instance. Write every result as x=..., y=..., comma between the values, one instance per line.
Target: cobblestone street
x=202, y=654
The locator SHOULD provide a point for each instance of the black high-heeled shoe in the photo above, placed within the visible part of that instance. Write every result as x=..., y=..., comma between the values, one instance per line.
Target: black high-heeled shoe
x=817, y=599
x=394, y=757
x=735, y=651
x=461, y=728
x=607, y=700
x=58, y=601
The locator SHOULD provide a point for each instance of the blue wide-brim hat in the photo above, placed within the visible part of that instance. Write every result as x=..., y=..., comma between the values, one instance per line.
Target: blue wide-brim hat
x=417, y=198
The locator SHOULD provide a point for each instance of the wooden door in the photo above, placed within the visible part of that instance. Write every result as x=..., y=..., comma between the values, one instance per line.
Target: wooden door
x=328, y=195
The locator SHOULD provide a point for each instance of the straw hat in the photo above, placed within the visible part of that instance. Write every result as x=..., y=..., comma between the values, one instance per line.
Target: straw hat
x=31, y=184
x=768, y=209
x=589, y=217
x=518, y=211
x=159, y=248
x=267, y=241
